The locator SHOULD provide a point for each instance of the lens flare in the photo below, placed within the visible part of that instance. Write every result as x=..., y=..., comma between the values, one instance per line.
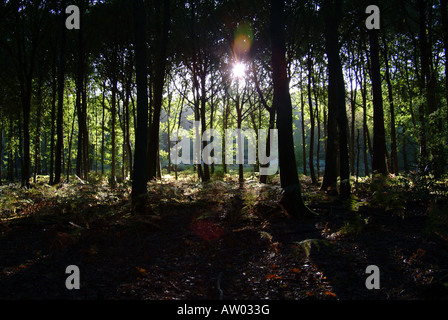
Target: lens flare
x=242, y=40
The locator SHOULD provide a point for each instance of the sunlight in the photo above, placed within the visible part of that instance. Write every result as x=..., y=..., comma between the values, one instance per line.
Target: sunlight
x=239, y=70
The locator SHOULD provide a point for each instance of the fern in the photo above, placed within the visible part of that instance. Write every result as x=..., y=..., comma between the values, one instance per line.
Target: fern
x=304, y=246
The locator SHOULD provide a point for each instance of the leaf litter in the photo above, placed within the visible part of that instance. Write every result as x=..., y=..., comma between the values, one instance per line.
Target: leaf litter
x=197, y=236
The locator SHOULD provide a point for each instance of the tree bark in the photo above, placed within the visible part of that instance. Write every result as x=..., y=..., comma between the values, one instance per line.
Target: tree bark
x=310, y=104
x=139, y=177
x=292, y=197
x=337, y=117
x=379, y=136
x=113, y=111
x=302, y=120
x=103, y=104
x=60, y=116
x=37, y=151
x=160, y=70
x=53, y=118
x=1, y=150
x=443, y=8
x=393, y=135
x=206, y=170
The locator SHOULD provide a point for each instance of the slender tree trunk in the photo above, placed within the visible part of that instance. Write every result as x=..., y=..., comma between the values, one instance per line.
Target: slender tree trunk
x=1, y=151
x=69, y=159
x=26, y=111
x=78, y=107
x=128, y=135
x=365, y=132
x=139, y=177
x=60, y=117
x=292, y=197
x=225, y=119
x=429, y=78
x=405, y=153
x=427, y=85
x=443, y=8
x=393, y=135
x=302, y=106
x=310, y=103
x=352, y=125
x=85, y=134
x=337, y=116
x=53, y=119
x=206, y=170
x=19, y=160
x=357, y=154
x=113, y=111
x=10, y=168
x=37, y=151
x=318, y=130
x=240, y=143
x=379, y=136
x=103, y=128
x=263, y=178
x=160, y=70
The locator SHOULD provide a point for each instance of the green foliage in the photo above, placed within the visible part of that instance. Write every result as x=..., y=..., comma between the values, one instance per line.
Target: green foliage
x=303, y=248
x=354, y=225
x=437, y=222
x=353, y=203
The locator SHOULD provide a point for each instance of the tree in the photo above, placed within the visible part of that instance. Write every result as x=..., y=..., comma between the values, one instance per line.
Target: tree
x=28, y=28
x=337, y=117
x=393, y=135
x=379, y=135
x=292, y=197
x=140, y=162
x=60, y=85
x=158, y=83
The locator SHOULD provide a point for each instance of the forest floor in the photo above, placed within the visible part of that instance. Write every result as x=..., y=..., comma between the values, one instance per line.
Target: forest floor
x=222, y=240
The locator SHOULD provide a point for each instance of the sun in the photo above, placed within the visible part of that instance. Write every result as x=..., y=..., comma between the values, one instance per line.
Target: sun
x=239, y=70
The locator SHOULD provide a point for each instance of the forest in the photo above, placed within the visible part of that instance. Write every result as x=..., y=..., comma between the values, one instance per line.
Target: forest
x=222, y=150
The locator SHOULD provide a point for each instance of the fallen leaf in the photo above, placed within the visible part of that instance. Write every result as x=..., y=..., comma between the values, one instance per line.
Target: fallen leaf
x=272, y=276
x=296, y=270
x=141, y=271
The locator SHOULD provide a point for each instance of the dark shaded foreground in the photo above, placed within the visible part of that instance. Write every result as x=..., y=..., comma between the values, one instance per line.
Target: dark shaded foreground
x=218, y=241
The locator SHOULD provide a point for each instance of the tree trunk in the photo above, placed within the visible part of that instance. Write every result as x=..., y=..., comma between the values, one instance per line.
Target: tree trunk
x=69, y=159
x=1, y=151
x=160, y=70
x=103, y=128
x=428, y=81
x=139, y=177
x=263, y=178
x=318, y=130
x=206, y=170
x=292, y=197
x=53, y=119
x=10, y=168
x=310, y=104
x=379, y=136
x=60, y=117
x=113, y=111
x=337, y=117
x=352, y=123
x=79, y=89
x=365, y=133
x=302, y=106
x=37, y=151
x=443, y=8
x=393, y=135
